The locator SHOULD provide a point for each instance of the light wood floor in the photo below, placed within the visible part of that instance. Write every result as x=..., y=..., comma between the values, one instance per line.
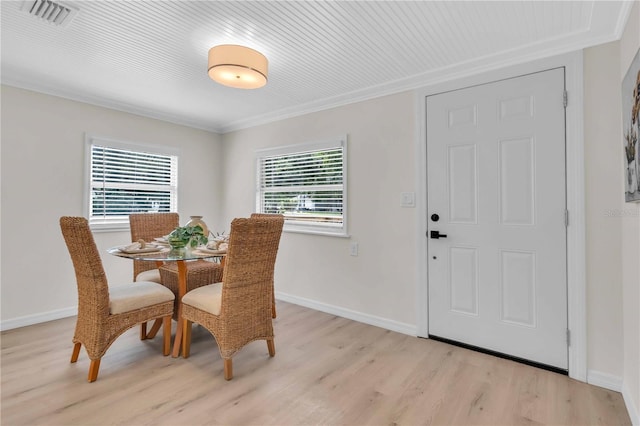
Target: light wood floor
x=327, y=370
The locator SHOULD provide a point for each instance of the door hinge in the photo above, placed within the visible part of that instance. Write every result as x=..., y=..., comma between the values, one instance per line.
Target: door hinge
x=566, y=218
x=565, y=98
x=568, y=337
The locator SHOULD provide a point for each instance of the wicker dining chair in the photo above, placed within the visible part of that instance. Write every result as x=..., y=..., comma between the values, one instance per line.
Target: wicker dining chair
x=238, y=310
x=104, y=312
x=147, y=227
x=273, y=290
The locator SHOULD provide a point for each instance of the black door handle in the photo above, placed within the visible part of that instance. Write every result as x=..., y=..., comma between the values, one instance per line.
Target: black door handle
x=436, y=234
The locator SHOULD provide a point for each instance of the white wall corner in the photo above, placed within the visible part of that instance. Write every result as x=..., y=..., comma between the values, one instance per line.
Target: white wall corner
x=632, y=409
x=400, y=327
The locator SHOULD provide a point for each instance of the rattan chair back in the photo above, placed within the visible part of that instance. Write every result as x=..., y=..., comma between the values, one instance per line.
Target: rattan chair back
x=251, y=256
x=93, y=289
x=273, y=290
x=147, y=226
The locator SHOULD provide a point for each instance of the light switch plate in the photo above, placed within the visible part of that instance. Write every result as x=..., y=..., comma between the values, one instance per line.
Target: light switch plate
x=408, y=199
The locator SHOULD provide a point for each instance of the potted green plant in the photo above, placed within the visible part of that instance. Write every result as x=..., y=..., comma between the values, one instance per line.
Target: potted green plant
x=183, y=236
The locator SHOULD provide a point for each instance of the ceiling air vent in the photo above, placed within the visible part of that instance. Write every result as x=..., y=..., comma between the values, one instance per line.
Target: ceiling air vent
x=55, y=13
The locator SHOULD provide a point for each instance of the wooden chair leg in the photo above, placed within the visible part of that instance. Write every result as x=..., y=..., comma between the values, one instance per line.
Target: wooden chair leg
x=143, y=331
x=273, y=306
x=76, y=352
x=93, y=370
x=272, y=347
x=228, y=369
x=186, y=338
x=166, y=335
x=154, y=328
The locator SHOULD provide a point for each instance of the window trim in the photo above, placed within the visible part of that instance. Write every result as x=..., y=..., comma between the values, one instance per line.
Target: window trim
x=90, y=140
x=324, y=144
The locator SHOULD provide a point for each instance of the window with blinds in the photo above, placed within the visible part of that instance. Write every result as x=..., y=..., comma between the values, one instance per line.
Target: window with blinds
x=126, y=178
x=307, y=184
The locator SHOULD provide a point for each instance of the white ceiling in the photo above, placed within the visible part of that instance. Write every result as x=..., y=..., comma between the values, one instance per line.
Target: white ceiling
x=150, y=58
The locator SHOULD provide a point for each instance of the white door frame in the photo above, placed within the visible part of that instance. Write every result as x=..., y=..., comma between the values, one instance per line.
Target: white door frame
x=576, y=267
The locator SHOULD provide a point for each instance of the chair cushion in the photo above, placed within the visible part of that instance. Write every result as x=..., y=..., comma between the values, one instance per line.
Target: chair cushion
x=140, y=294
x=207, y=298
x=152, y=275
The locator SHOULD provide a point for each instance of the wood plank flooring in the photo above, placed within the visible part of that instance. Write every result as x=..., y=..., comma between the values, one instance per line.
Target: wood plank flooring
x=327, y=370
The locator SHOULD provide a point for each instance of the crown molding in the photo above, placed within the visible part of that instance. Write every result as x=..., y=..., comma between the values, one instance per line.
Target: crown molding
x=592, y=36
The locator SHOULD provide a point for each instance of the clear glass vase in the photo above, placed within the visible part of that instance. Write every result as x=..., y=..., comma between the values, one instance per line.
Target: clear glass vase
x=197, y=220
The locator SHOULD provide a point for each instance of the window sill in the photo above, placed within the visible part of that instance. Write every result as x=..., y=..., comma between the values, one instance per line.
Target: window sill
x=111, y=227
x=296, y=230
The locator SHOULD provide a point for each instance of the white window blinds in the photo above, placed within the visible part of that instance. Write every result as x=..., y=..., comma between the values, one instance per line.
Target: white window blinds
x=305, y=183
x=124, y=181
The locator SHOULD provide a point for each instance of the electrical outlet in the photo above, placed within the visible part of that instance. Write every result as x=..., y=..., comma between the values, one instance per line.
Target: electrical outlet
x=353, y=249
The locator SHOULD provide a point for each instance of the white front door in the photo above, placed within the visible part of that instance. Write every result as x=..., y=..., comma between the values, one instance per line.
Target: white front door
x=496, y=195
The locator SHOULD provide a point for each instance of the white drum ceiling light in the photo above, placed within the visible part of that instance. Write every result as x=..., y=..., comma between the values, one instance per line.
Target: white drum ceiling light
x=238, y=66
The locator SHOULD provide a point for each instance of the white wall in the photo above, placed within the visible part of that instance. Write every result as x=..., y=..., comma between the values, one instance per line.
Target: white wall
x=613, y=226
x=42, y=179
x=630, y=248
x=380, y=283
x=602, y=114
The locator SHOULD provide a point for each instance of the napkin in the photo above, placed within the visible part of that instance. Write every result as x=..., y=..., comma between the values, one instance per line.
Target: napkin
x=131, y=247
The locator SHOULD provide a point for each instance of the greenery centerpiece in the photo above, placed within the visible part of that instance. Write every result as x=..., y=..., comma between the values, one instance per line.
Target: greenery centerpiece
x=187, y=236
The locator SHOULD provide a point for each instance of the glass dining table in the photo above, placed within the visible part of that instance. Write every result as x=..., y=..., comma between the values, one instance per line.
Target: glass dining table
x=161, y=256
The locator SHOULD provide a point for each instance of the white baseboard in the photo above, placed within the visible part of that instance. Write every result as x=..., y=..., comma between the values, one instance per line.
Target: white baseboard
x=632, y=409
x=388, y=324
x=385, y=323
x=604, y=380
x=37, y=318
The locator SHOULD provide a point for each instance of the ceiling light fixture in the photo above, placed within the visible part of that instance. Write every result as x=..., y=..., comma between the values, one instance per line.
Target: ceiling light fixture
x=237, y=66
